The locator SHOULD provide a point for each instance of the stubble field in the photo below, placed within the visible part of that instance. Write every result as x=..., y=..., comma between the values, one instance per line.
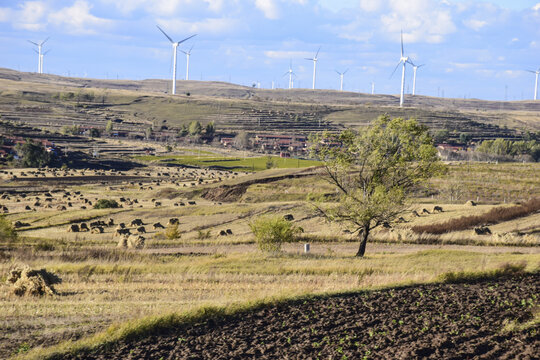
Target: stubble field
x=102, y=285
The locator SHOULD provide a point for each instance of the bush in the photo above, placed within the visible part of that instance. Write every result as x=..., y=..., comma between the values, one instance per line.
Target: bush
x=493, y=216
x=203, y=235
x=172, y=232
x=271, y=232
x=7, y=231
x=106, y=204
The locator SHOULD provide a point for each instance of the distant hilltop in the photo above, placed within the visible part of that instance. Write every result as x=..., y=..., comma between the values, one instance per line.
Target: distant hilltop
x=234, y=91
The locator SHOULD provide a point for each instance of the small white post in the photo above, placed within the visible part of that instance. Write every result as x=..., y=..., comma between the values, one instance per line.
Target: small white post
x=306, y=248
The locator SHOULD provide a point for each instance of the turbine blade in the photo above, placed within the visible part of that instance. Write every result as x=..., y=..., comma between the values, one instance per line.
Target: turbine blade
x=345, y=71
x=399, y=63
x=401, y=43
x=168, y=37
x=531, y=71
x=309, y=59
x=338, y=72
x=44, y=41
x=184, y=52
x=317, y=54
x=31, y=42
x=287, y=73
x=186, y=39
x=46, y=52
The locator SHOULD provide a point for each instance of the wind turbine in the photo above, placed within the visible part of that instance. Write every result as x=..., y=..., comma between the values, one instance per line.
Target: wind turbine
x=415, y=67
x=314, y=66
x=188, y=54
x=40, y=55
x=403, y=59
x=536, y=82
x=175, y=47
x=290, y=73
x=341, y=79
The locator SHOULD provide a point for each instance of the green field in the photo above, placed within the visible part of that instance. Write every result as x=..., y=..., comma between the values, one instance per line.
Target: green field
x=231, y=163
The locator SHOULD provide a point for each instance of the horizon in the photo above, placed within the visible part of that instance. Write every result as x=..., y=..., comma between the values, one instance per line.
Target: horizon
x=471, y=49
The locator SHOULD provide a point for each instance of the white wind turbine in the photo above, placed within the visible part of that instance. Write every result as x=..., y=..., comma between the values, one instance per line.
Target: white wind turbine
x=403, y=59
x=415, y=67
x=175, y=48
x=341, y=79
x=188, y=54
x=290, y=73
x=314, y=59
x=40, y=54
x=535, y=83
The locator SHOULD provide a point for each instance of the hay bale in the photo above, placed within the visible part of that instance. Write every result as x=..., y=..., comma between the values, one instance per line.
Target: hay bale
x=135, y=242
x=122, y=242
x=25, y=281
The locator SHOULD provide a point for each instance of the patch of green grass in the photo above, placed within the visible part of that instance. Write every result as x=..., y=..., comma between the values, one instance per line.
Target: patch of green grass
x=471, y=276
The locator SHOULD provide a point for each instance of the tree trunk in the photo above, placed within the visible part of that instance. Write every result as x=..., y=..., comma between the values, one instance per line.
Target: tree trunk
x=363, y=241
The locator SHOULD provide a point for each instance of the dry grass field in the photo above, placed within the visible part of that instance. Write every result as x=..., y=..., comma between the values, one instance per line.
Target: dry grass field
x=104, y=285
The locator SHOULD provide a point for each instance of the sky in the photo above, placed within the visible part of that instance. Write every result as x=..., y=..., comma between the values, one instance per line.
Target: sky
x=471, y=49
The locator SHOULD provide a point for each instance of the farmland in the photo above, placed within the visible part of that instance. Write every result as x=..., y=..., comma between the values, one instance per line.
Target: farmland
x=198, y=281
x=103, y=285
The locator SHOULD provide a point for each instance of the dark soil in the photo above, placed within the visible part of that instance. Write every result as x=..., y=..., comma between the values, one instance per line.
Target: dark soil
x=437, y=321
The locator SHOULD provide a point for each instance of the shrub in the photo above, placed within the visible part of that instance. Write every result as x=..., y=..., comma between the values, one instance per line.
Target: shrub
x=202, y=235
x=106, y=204
x=493, y=216
x=271, y=232
x=7, y=231
x=172, y=232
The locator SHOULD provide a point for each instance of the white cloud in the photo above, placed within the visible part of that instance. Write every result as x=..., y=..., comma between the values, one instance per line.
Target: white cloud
x=421, y=20
x=206, y=26
x=286, y=54
x=214, y=5
x=31, y=14
x=464, y=65
x=474, y=24
x=268, y=7
x=28, y=16
x=5, y=14
x=536, y=7
x=77, y=19
x=370, y=5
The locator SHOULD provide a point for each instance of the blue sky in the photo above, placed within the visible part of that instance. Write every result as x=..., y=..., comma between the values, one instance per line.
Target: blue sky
x=470, y=48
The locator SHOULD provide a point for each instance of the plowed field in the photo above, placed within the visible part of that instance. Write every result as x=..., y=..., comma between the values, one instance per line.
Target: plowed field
x=438, y=321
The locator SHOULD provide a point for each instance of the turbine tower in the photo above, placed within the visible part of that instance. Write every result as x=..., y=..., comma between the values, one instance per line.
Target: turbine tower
x=290, y=73
x=175, y=48
x=341, y=79
x=40, y=54
x=415, y=67
x=314, y=59
x=403, y=59
x=188, y=54
x=535, y=83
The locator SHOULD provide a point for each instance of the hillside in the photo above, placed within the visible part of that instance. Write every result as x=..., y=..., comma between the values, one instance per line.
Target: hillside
x=51, y=101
